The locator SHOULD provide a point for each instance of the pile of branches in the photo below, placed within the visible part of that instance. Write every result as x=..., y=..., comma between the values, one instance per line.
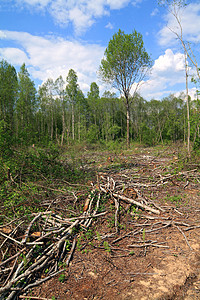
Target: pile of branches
x=46, y=252
x=42, y=249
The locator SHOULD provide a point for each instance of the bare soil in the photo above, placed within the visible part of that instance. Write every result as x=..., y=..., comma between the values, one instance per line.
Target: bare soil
x=164, y=260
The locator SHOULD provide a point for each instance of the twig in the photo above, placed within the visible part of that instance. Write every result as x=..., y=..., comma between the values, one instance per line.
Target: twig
x=147, y=245
x=135, y=274
x=116, y=214
x=192, y=227
x=38, y=282
x=29, y=228
x=184, y=237
x=10, y=238
x=71, y=252
x=33, y=297
x=12, y=257
x=126, y=235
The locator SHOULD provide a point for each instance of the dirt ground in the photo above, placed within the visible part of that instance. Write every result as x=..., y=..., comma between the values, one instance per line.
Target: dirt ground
x=152, y=256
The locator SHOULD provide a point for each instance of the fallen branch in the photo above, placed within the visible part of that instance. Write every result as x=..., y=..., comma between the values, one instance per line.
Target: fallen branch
x=155, y=211
x=184, y=236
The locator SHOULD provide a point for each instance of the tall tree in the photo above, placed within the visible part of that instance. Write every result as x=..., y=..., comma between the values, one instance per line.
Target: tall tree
x=176, y=9
x=8, y=93
x=125, y=63
x=61, y=93
x=26, y=102
x=72, y=89
x=47, y=103
x=93, y=99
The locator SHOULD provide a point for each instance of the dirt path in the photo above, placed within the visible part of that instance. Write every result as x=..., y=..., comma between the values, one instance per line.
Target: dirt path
x=157, y=256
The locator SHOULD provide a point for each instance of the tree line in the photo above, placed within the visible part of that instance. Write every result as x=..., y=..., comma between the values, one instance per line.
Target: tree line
x=59, y=112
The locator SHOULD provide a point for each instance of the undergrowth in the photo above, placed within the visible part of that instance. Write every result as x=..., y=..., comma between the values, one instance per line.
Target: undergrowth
x=27, y=176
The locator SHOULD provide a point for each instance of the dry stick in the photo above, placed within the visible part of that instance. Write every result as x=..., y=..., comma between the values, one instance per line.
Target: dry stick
x=29, y=228
x=146, y=231
x=97, y=207
x=116, y=214
x=61, y=255
x=5, y=270
x=15, y=278
x=40, y=263
x=13, y=267
x=147, y=245
x=38, y=282
x=10, y=238
x=184, y=237
x=88, y=205
x=32, y=297
x=126, y=235
x=89, y=217
x=12, y=257
x=33, y=268
x=72, y=251
x=167, y=224
x=135, y=274
x=132, y=201
x=11, y=296
x=58, y=245
x=155, y=211
x=7, y=224
x=192, y=227
x=13, y=232
x=22, y=263
x=88, y=211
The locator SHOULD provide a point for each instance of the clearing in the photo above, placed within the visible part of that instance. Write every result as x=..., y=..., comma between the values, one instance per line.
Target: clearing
x=128, y=251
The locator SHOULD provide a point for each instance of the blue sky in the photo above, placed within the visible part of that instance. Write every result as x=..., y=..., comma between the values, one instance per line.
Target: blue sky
x=53, y=36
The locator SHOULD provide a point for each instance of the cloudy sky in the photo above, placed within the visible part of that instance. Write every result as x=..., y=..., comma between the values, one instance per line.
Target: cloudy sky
x=53, y=36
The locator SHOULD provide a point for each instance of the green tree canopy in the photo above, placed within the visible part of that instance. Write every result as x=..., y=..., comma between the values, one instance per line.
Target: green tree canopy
x=8, y=92
x=125, y=62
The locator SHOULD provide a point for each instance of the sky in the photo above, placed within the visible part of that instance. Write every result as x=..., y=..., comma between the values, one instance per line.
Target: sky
x=53, y=36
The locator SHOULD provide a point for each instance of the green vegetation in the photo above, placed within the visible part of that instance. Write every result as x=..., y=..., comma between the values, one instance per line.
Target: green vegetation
x=55, y=116
x=62, y=278
x=125, y=62
x=42, y=131
x=106, y=246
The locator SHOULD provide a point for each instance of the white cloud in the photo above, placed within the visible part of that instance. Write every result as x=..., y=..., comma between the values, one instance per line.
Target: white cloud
x=192, y=93
x=155, y=12
x=109, y=26
x=52, y=57
x=167, y=72
x=190, y=22
x=169, y=63
x=136, y=2
x=14, y=56
x=116, y=4
x=81, y=13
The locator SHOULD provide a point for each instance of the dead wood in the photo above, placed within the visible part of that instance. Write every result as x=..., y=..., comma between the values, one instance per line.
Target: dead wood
x=37, y=253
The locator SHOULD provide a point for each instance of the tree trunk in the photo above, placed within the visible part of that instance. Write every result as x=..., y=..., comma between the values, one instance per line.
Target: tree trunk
x=73, y=130
x=188, y=109
x=79, y=126
x=52, y=124
x=128, y=125
x=64, y=127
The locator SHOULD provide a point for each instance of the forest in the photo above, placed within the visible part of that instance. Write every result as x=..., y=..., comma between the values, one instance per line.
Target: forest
x=99, y=193
x=84, y=177
x=59, y=113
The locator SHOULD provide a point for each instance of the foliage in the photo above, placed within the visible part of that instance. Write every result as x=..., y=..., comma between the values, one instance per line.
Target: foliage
x=8, y=93
x=106, y=246
x=62, y=277
x=126, y=62
x=6, y=140
x=61, y=115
